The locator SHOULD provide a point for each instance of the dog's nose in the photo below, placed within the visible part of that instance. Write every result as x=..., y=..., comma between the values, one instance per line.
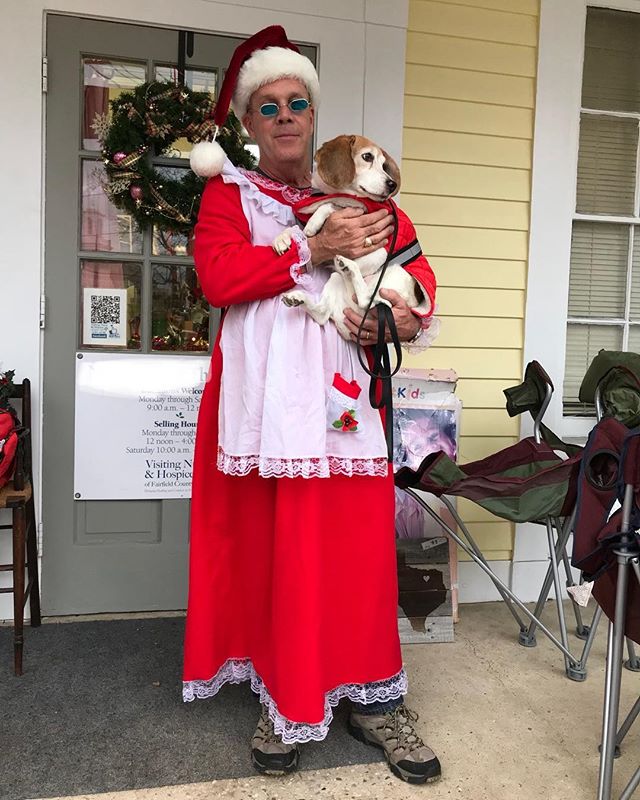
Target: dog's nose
x=391, y=185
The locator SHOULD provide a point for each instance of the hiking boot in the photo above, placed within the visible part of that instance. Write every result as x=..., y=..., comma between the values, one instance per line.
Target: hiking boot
x=408, y=756
x=269, y=754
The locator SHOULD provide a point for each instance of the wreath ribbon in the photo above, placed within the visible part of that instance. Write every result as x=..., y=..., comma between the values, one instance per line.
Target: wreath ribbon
x=145, y=122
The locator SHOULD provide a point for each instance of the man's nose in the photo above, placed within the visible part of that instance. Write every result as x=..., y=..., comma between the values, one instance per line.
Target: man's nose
x=284, y=114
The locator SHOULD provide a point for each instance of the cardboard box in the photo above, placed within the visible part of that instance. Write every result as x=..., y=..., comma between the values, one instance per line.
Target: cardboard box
x=426, y=420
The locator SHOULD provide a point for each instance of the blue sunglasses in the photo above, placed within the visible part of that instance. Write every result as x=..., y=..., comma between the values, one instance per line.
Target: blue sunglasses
x=297, y=106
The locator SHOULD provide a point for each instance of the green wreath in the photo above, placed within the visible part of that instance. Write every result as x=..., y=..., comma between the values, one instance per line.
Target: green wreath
x=144, y=124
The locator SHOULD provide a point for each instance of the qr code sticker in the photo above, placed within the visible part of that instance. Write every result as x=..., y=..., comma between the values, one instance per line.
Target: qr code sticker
x=105, y=309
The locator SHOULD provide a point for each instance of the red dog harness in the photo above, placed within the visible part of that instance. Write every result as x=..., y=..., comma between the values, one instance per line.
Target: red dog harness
x=407, y=248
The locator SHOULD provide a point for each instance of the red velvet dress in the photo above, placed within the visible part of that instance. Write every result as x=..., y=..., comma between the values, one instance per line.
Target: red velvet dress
x=292, y=580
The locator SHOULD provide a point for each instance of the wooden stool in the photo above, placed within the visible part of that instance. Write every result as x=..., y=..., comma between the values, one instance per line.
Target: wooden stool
x=17, y=496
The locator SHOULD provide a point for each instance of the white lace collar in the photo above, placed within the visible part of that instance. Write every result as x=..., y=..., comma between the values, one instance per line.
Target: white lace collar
x=290, y=193
x=249, y=188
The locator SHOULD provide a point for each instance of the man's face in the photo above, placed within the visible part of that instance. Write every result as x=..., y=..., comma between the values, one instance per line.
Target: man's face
x=284, y=138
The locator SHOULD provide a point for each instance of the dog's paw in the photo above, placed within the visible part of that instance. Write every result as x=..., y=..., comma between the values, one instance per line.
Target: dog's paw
x=293, y=299
x=282, y=242
x=343, y=264
x=310, y=230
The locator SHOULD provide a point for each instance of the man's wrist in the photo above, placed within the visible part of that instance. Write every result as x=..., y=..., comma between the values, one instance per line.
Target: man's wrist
x=319, y=253
x=416, y=335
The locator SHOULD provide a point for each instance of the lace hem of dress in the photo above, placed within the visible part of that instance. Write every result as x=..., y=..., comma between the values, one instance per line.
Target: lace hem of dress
x=301, y=467
x=237, y=670
x=300, y=276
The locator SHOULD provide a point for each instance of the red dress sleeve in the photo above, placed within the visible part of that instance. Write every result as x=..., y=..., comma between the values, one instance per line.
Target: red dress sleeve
x=419, y=268
x=230, y=268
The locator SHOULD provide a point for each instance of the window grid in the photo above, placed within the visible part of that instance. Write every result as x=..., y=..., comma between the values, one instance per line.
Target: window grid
x=146, y=258
x=631, y=221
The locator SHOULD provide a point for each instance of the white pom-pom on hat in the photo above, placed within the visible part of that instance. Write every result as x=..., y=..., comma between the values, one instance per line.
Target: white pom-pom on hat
x=207, y=159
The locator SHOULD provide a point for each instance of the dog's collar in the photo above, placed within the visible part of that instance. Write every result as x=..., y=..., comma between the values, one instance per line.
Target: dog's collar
x=305, y=208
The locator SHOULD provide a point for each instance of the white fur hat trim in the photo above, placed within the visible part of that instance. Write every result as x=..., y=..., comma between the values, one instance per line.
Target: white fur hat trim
x=269, y=65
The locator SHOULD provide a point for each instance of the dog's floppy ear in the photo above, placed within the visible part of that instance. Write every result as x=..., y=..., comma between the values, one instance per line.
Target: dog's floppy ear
x=392, y=170
x=335, y=162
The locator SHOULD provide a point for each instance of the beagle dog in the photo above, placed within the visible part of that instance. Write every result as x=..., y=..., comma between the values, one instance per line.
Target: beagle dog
x=351, y=171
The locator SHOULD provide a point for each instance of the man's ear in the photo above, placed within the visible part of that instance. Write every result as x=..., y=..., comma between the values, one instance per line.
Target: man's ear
x=335, y=162
x=392, y=170
x=246, y=121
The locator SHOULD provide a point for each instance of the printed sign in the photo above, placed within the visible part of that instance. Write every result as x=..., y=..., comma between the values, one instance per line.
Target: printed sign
x=135, y=422
x=105, y=317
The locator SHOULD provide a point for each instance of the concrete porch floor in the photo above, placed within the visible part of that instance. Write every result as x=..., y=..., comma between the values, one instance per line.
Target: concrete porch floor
x=504, y=720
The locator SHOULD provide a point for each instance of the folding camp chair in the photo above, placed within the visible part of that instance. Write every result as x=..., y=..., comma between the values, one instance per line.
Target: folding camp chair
x=607, y=547
x=527, y=482
x=612, y=385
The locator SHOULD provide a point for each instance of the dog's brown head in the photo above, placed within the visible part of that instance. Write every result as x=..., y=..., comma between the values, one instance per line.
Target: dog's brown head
x=355, y=165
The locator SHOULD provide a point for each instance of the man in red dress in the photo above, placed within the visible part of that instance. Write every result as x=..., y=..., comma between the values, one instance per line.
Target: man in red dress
x=293, y=581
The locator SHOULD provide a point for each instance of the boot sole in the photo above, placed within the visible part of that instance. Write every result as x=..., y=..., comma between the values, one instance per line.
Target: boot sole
x=408, y=777
x=275, y=772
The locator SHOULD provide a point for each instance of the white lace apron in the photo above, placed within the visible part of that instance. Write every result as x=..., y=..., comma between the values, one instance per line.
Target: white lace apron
x=279, y=406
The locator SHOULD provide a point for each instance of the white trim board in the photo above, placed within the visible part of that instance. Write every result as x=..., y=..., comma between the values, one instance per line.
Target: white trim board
x=553, y=196
x=361, y=63
x=524, y=578
x=474, y=586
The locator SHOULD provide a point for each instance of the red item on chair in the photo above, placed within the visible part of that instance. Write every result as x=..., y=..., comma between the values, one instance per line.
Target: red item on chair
x=8, y=446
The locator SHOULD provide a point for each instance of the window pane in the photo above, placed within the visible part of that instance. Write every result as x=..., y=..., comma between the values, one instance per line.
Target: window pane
x=180, y=312
x=104, y=80
x=611, y=76
x=199, y=80
x=634, y=310
x=584, y=342
x=607, y=165
x=121, y=312
x=104, y=227
x=171, y=243
x=634, y=339
x=598, y=277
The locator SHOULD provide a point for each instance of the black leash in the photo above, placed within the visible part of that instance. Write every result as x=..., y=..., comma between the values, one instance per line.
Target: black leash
x=381, y=372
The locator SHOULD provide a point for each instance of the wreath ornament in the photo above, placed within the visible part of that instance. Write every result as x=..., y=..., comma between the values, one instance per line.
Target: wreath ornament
x=144, y=124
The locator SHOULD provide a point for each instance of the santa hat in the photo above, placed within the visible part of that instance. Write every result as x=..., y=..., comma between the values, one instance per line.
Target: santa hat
x=266, y=57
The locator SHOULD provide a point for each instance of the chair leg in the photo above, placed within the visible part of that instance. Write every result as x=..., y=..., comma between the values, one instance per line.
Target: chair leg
x=32, y=564
x=19, y=535
x=633, y=662
x=611, y=707
x=558, y=591
x=615, y=647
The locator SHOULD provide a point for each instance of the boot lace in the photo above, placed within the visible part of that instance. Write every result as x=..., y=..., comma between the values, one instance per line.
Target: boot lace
x=398, y=727
x=265, y=727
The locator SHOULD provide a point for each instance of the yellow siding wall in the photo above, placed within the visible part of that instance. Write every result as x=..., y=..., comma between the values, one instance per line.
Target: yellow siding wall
x=468, y=129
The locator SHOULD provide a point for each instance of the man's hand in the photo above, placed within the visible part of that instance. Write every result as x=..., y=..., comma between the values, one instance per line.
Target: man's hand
x=345, y=231
x=407, y=323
